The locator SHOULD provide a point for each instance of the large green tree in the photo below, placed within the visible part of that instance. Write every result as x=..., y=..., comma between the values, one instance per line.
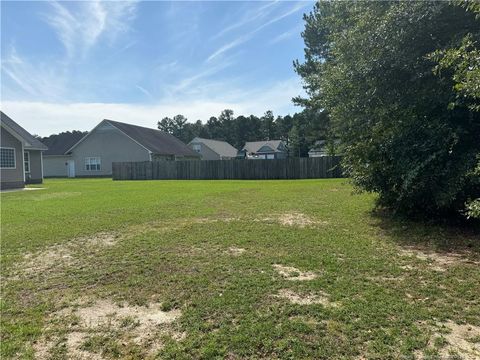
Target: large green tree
x=374, y=67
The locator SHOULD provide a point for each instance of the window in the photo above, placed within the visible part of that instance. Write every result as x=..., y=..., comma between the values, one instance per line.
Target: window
x=197, y=147
x=26, y=161
x=7, y=158
x=92, y=164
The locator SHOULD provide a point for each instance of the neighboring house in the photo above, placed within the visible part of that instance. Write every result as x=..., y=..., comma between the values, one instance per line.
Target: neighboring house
x=20, y=156
x=270, y=149
x=321, y=148
x=113, y=141
x=213, y=149
x=55, y=162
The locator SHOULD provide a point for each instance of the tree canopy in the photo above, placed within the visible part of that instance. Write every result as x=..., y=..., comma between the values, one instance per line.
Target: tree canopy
x=400, y=82
x=299, y=131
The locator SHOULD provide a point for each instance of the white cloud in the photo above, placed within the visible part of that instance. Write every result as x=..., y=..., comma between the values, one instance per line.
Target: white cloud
x=38, y=80
x=248, y=18
x=244, y=38
x=46, y=118
x=81, y=29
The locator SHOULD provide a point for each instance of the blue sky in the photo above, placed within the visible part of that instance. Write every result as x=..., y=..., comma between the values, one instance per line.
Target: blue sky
x=67, y=65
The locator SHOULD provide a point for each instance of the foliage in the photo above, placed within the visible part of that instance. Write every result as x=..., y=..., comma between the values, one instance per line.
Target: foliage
x=69, y=136
x=387, y=73
x=464, y=63
x=473, y=209
x=306, y=128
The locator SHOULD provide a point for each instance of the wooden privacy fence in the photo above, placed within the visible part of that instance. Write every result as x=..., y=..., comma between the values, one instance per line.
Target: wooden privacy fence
x=291, y=168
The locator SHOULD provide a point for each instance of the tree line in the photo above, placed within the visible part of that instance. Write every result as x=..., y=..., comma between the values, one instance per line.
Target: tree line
x=401, y=83
x=299, y=131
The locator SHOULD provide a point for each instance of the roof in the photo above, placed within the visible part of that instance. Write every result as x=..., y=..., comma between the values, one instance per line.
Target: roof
x=222, y=148
x=155, y=141
x=59, y=144
x=255, y=146
x=29, y=142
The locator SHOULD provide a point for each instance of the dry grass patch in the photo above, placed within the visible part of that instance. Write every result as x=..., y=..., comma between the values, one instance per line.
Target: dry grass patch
x=60, y=256
x=305, y=299
x=236, y=251
x=438, y=261
x=458, y=341
x=296, y=219
x=140, y=325
x=56, y=195
x=294, y=274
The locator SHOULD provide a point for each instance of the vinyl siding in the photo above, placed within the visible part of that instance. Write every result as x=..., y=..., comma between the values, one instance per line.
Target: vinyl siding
x=35, y=167
x=111, y=145
x=205, y=151
x=55, y=165
x=12, y=177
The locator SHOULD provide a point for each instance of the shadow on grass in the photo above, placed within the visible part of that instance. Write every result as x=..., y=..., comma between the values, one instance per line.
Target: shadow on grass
x=446, y=236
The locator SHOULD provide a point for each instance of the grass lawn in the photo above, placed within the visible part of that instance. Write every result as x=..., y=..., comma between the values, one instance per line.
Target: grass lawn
x=96, y=269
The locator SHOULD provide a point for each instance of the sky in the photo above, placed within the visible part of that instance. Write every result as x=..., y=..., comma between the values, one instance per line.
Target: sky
x=68, y=65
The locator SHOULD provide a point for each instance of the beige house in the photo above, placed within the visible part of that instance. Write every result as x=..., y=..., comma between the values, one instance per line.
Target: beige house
x=112, y=141
x=20, y=156
x=213, y=149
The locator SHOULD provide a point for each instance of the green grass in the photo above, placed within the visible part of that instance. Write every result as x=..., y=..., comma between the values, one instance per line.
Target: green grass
x=168, y=253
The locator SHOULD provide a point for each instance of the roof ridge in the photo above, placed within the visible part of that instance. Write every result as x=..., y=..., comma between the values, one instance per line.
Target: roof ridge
x=224, y=141
x=139, y=126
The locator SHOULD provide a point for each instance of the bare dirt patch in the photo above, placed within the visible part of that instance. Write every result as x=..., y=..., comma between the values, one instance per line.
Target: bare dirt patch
x=212, y=220
x=141, y=325
x=438, y=261
x=294, y=274
x=236, y=251
x=305, y=299
x=296, y=219
x=104, y=312
x=62, y=255
x=461, y=340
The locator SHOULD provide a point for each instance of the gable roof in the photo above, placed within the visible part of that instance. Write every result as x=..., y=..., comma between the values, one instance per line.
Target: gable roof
x=255, y=146
x=222, y=148
x=59, y=145
x=155, y=141
x=29, y=142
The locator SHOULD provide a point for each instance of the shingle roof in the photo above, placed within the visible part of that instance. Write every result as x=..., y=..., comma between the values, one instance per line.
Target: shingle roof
x=29, y=141
x=59, y=145
x=254, y=146
x=222, y=148
x=156, y=141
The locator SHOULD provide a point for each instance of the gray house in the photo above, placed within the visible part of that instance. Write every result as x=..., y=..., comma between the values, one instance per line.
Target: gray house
x=113, y=141
x=20, y=156
x=269, y=149
x=54, y=159
x=213, y=149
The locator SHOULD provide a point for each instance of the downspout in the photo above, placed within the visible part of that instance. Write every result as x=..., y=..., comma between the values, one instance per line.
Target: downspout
x=23, y=163
x=41, y=163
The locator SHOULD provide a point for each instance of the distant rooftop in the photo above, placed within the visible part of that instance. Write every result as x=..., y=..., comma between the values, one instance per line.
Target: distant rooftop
x=255, y=146
x=222, y=148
